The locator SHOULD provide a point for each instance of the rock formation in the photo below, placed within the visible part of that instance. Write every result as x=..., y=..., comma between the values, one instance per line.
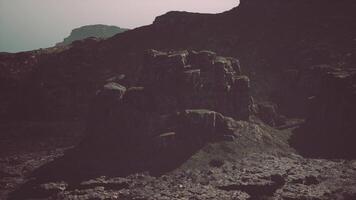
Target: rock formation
x=197, y=80
x=181, y=95
x=330, y=127
x=98, y=31
x=268, y=37
x=176, y=123
x=268, y=113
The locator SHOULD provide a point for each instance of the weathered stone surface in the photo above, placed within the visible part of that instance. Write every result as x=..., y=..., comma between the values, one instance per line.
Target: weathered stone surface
x=201, y=123
x=183, y=101
x=330, y=126
x=268, y=113
x=202, y=58
x=298, y=86
x=197, y=80
x=184, y=93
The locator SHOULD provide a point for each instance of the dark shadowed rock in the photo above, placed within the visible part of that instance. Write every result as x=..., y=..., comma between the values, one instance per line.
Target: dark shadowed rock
x=188, y=80
x=298, y=86
x=204, y=124
x=205, y=59
x=179, y=107
x=268, y=113
x=330, y=126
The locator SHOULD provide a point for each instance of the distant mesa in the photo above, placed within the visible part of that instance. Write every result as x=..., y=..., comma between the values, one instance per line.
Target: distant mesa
x=98, y=31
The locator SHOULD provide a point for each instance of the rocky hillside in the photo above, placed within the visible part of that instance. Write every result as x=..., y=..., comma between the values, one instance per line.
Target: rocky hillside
x=115, y=119
x=268, y=37
x=155, y=141
x=98, y=31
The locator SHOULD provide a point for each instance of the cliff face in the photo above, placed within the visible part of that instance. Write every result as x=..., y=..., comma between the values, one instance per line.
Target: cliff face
x=330, y=126
x=268, y=37
x=99, y=31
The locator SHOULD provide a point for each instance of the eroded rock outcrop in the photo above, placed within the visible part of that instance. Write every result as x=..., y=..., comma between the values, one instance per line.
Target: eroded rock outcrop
x=330, y=127
x=268, y=113
x=183, y=101
x=299, y=86
x=197, y=80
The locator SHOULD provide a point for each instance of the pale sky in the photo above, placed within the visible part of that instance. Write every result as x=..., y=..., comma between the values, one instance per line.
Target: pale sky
x=32, y=24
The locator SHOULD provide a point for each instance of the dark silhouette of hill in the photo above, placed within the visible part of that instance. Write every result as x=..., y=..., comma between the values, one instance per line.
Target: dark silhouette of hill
x=98, y=31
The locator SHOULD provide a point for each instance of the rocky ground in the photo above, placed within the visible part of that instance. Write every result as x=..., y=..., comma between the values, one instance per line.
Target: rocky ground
x=239, y=169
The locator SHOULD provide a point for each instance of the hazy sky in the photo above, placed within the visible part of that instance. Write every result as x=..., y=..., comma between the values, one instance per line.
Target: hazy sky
x=32, y=24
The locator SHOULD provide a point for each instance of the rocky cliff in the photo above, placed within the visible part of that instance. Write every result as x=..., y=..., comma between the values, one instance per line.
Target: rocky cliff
x=182, y=93
x=330, y=126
